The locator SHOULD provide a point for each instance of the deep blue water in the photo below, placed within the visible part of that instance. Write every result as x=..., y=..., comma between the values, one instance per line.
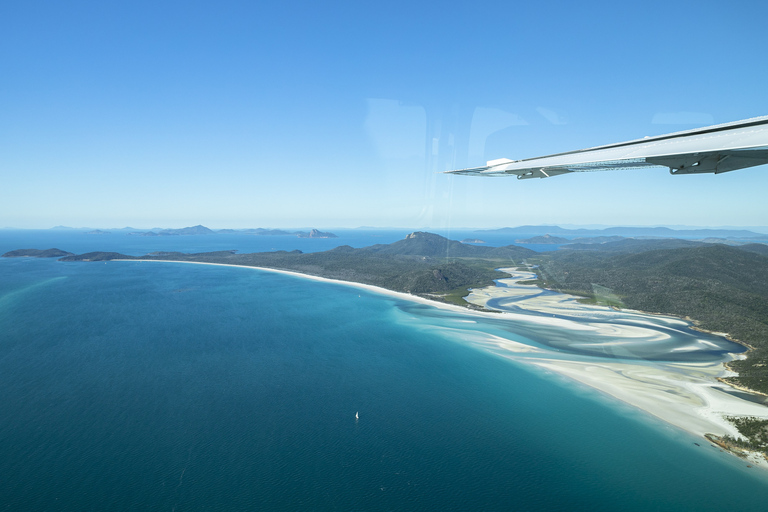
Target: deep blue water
x=165, y=386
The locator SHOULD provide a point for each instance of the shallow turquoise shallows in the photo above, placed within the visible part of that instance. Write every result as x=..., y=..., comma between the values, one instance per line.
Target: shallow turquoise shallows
x=167, y=386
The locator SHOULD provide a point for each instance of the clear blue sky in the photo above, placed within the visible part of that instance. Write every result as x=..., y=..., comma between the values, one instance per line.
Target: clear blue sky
x=338, y=114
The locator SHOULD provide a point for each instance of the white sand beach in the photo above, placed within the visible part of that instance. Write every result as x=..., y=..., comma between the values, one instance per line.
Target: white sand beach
x=371, y=288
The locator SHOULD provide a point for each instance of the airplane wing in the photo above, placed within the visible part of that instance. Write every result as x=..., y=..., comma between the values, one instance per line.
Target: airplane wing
x=713, y=149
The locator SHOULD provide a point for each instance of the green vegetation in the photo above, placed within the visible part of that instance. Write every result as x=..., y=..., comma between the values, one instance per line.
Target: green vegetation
x=755, y=430
x=546, y=239
x=36, y=253
x=480, y=267
x=725, y=289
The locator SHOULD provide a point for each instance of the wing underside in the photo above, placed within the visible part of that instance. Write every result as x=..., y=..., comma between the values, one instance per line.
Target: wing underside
x=715, y=149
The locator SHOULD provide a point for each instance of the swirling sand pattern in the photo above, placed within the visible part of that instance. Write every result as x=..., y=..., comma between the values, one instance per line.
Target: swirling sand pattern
x=658, y=363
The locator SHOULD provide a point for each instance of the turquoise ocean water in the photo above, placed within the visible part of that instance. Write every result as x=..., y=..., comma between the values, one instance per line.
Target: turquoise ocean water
x=164, y=386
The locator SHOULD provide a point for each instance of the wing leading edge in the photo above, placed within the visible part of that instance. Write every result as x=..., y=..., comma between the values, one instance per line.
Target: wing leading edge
x=713, y=149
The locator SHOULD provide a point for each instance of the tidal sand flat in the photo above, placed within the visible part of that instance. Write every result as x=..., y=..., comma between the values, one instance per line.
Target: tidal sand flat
x=654, y=362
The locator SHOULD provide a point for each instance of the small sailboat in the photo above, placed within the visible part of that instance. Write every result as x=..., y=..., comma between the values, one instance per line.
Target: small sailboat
x=357, y=415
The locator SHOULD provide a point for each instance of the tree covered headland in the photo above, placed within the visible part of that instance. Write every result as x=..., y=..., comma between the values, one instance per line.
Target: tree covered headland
x=722, y=288
x=422, y=264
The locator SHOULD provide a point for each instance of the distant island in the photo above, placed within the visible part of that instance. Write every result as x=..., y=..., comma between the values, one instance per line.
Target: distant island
x=316, y=234
x=472, y=241
x=545, y=239
x=193, y=230
x=631, y=232
x=97, y=232
x=202, y=230
x=258, y=231
x=36, y=253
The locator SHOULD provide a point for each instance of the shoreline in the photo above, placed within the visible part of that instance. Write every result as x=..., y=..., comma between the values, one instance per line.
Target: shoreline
x=688, y=396
x=363, y=286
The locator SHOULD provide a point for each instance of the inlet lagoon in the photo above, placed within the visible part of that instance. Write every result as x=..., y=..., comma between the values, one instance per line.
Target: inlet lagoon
x=171, y=386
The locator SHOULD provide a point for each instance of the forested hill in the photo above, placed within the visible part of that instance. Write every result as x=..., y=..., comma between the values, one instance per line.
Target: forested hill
x=724, y=288
x=421, y=243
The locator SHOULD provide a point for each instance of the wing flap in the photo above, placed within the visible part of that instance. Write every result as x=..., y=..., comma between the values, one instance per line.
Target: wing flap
x=539, y=173
x=716, y=162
